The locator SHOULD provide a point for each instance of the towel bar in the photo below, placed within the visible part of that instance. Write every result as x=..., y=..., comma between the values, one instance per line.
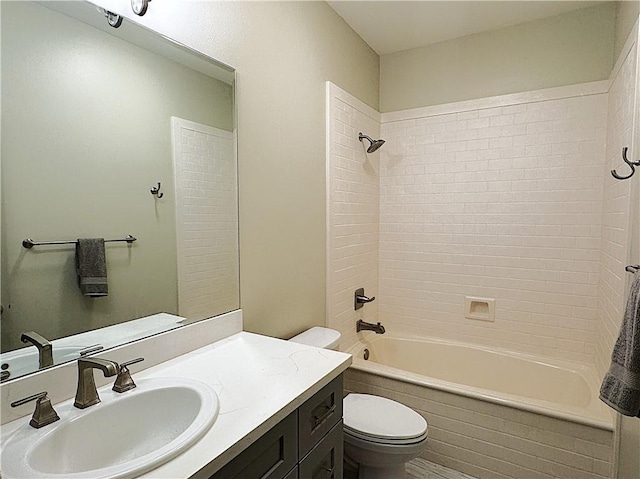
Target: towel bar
x=29, y=243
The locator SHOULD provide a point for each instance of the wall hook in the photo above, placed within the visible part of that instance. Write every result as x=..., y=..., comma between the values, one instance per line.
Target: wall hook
x=155, y=191
x=632, y=165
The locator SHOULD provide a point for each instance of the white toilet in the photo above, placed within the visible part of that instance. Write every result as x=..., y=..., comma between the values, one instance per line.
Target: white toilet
x=380, y=435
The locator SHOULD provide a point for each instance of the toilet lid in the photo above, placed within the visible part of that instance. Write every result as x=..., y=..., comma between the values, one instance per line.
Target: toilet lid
x=381, y=418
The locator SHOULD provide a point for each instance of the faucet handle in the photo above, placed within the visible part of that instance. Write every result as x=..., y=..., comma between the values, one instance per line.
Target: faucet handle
x=124, y=381
x=91, y=349
x=44, y=413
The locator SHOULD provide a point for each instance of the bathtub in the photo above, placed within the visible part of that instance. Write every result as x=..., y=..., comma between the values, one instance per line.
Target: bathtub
x=522, y=416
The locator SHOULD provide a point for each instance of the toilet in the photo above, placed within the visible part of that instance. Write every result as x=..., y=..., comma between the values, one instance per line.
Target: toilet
x=380, y=435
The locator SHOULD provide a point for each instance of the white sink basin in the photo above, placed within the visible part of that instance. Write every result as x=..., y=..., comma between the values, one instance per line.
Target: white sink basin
x=122, y=437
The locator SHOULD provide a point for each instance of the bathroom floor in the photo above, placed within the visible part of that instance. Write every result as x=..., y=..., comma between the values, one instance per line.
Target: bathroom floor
x=422, y=469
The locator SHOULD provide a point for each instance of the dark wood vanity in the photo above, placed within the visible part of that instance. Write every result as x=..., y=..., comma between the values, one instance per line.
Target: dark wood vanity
x=307, y=444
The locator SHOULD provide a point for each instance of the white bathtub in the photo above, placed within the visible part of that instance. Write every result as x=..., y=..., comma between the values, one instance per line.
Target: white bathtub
x=560, y=389
x=518, y=414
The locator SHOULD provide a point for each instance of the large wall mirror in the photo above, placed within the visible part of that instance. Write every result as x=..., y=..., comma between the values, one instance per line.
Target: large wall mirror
x=94, y=119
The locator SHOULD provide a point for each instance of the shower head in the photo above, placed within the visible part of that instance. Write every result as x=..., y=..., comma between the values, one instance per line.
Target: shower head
x=375, y=144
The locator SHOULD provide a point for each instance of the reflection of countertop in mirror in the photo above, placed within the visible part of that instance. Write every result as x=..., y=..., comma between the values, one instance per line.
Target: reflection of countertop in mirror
x=25, y=360
x=111, y=336
x=259, y=381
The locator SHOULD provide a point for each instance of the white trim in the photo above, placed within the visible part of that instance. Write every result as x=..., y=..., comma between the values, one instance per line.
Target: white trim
x=569, y=91
x=334, y=91
x=632, y=41
x=209, y=130
x=330, y=89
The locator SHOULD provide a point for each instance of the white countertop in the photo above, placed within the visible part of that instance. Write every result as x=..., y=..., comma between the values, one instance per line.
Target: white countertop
x=259, y=381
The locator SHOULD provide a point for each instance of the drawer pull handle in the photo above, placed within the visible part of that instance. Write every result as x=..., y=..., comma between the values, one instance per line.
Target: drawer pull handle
x=318, y=419
x=329, y=471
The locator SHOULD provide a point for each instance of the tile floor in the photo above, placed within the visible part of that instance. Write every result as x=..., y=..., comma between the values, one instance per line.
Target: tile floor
x=422, y=469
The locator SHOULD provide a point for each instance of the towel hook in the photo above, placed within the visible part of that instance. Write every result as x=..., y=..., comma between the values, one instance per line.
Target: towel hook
x=155, y=191
x=632, y=165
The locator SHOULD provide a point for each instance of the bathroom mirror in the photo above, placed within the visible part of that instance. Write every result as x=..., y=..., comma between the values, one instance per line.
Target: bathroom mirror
x=109, y=132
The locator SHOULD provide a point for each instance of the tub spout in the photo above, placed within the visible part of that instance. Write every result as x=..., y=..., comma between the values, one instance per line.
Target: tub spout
x=362, y=326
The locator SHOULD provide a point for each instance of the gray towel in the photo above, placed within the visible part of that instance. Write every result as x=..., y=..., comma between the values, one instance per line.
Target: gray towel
x=91, y=266
x=621, y=385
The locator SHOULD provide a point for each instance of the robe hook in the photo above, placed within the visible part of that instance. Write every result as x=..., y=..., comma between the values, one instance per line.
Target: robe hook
x=632, y=165
x=155, y=191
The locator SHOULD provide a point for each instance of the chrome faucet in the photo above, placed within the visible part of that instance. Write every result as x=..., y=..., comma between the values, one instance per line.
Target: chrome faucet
x=87, y=393
x=45, y=351
x=362, y=326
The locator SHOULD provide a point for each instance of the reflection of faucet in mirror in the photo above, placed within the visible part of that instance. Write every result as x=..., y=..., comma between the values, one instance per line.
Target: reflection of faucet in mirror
x=91, y=349
x=45, y=351
x=87, y=393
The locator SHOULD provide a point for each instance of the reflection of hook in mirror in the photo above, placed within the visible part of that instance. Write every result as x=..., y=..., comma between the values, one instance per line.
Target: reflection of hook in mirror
x=155, y=191
x=113, y=19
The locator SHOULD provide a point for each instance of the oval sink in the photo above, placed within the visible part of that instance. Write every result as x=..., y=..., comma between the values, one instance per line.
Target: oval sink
x=122, y=437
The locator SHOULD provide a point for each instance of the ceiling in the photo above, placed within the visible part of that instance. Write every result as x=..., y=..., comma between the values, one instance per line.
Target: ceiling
x=393, y=26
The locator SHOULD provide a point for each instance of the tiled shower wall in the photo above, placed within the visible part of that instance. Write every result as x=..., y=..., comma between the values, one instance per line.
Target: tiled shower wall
x=353, y=192
x=207, y=219
x=616, y=207
x=499, y=202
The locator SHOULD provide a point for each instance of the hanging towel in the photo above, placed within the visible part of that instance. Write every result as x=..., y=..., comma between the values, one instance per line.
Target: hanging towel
x=621, y=385
x=91, y=266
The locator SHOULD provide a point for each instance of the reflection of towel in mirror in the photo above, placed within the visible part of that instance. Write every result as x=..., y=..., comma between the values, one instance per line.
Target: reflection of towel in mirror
x=621, y=385
x=91, y=266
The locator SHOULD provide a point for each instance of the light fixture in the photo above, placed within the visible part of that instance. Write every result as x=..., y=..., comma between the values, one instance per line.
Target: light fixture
x=139, y=7
x=113, y=19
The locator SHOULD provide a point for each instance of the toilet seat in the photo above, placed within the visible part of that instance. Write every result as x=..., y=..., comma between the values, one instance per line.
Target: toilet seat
x=381, y=420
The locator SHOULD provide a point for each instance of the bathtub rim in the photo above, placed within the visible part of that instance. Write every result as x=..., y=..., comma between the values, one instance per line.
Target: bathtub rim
x=546, y=408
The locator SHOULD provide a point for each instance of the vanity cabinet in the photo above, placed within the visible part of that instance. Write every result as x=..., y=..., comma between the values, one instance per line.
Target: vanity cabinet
x=307, y=444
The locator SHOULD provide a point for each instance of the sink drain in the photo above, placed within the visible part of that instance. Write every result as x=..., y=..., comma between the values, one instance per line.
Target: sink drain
x=366, y=354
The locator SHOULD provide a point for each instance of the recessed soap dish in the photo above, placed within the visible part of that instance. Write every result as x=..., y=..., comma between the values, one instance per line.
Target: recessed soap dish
x=482, y=309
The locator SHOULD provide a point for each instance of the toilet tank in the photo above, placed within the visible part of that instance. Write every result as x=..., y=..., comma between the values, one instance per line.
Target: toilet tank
x=319, y=337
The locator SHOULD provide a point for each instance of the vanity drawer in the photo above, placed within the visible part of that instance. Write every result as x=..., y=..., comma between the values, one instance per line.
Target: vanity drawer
x=270, y=457
x=325, y=460
x=293, y=474
x=318, y=415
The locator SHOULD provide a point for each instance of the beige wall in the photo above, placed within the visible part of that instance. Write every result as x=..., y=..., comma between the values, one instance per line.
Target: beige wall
x=284, y=52
x=571, y=48
x=626, y=17
x=86, y=132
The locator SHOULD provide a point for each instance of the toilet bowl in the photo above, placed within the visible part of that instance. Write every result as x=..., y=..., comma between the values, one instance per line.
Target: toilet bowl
x=380, y=435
